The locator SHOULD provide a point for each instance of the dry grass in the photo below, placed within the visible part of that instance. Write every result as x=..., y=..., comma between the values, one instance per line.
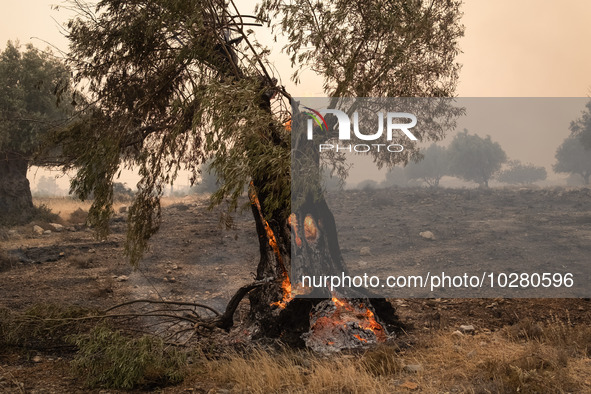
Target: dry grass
x=290, y=371
x=70, y=210
x=556, y=361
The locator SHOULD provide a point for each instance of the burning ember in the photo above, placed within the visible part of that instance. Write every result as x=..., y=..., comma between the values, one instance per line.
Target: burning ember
x=310, y=229
x=337, y=324
x=293, y=222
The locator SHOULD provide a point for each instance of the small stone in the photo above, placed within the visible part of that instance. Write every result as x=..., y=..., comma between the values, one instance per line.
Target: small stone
x=36, y=359
x=467, y=329
x=38, y=230
x=365, y=251
x=71, y=229
x=58, y=228
x=46, y=232
x=492, y=305
x=12, y=232
x=427, y=235
x=414, y=368
x=122, y=278
x=457, y=334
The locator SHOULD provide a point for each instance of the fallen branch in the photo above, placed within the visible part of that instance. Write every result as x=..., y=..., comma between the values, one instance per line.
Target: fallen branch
x=226, y=321
x=194, y=304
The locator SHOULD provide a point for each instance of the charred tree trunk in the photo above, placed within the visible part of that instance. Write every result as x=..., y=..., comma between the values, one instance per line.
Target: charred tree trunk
x=309, y=235
x=16, y=202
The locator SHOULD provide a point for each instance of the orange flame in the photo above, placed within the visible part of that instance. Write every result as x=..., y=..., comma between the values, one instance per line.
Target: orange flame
x=363, y=315
x=293, y=222
x=286, y=283
x=287, y=125
x=310, y=229
x=359, y=337
x=338, y=302
x=287, y=294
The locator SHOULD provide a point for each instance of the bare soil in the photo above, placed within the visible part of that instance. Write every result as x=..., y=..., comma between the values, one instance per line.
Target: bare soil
x=194, y=258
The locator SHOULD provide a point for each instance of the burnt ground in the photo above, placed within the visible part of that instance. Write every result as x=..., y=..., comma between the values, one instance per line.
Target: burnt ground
x=194, y=258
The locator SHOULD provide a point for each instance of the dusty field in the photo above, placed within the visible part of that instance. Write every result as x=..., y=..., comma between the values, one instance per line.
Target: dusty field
x=516, y=343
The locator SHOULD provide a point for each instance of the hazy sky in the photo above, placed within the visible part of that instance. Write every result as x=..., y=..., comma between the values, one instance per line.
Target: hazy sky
x=524, y=48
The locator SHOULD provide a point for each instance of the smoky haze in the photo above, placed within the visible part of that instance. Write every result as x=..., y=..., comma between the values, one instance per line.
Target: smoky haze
x=510, y=49
x=528, y=129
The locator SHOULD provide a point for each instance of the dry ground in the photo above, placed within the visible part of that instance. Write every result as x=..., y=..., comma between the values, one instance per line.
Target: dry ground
x=518, y=345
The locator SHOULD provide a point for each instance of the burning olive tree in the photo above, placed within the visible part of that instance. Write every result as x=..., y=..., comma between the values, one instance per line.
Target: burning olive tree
x=174, y=83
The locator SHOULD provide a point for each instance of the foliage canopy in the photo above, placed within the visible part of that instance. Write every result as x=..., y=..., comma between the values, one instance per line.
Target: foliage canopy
x=476, y=159
x=572, y=157
x=174, y=83
x=431, y=168
x=32, y=86
x=582, y=126
x=518, y=173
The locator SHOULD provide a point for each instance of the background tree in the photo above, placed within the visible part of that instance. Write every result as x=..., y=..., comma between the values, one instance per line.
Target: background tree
x=431, y=168
x=572, y=157
x=122, y=193
x=48, y=187
x=518, y=173
x=473, y=158
x=367, y=185
x=396, y=176
x=31, y=86
x=175, y=81
x=582, y=127
x=208, y=182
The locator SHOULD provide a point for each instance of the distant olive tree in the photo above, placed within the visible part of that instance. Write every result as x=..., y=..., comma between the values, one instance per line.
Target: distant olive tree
x=518, y=173
x=476, y=159
x=209, y=182
x=582, y=127
x=368, y=184
x=48, y=187
x=431, y=168
x=35, y=98
x=573, y=158
x=396, y=176
x=122, y=193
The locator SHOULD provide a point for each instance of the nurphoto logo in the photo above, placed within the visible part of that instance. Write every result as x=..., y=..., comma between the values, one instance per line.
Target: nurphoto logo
x=392, y=122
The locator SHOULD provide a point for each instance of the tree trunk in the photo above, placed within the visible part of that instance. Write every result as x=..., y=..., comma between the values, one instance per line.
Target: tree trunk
x=309, y=235
x=16, y=202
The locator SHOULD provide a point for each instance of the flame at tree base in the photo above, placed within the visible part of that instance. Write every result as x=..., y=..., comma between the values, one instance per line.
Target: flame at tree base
x=339, y=324
x=287, y=294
